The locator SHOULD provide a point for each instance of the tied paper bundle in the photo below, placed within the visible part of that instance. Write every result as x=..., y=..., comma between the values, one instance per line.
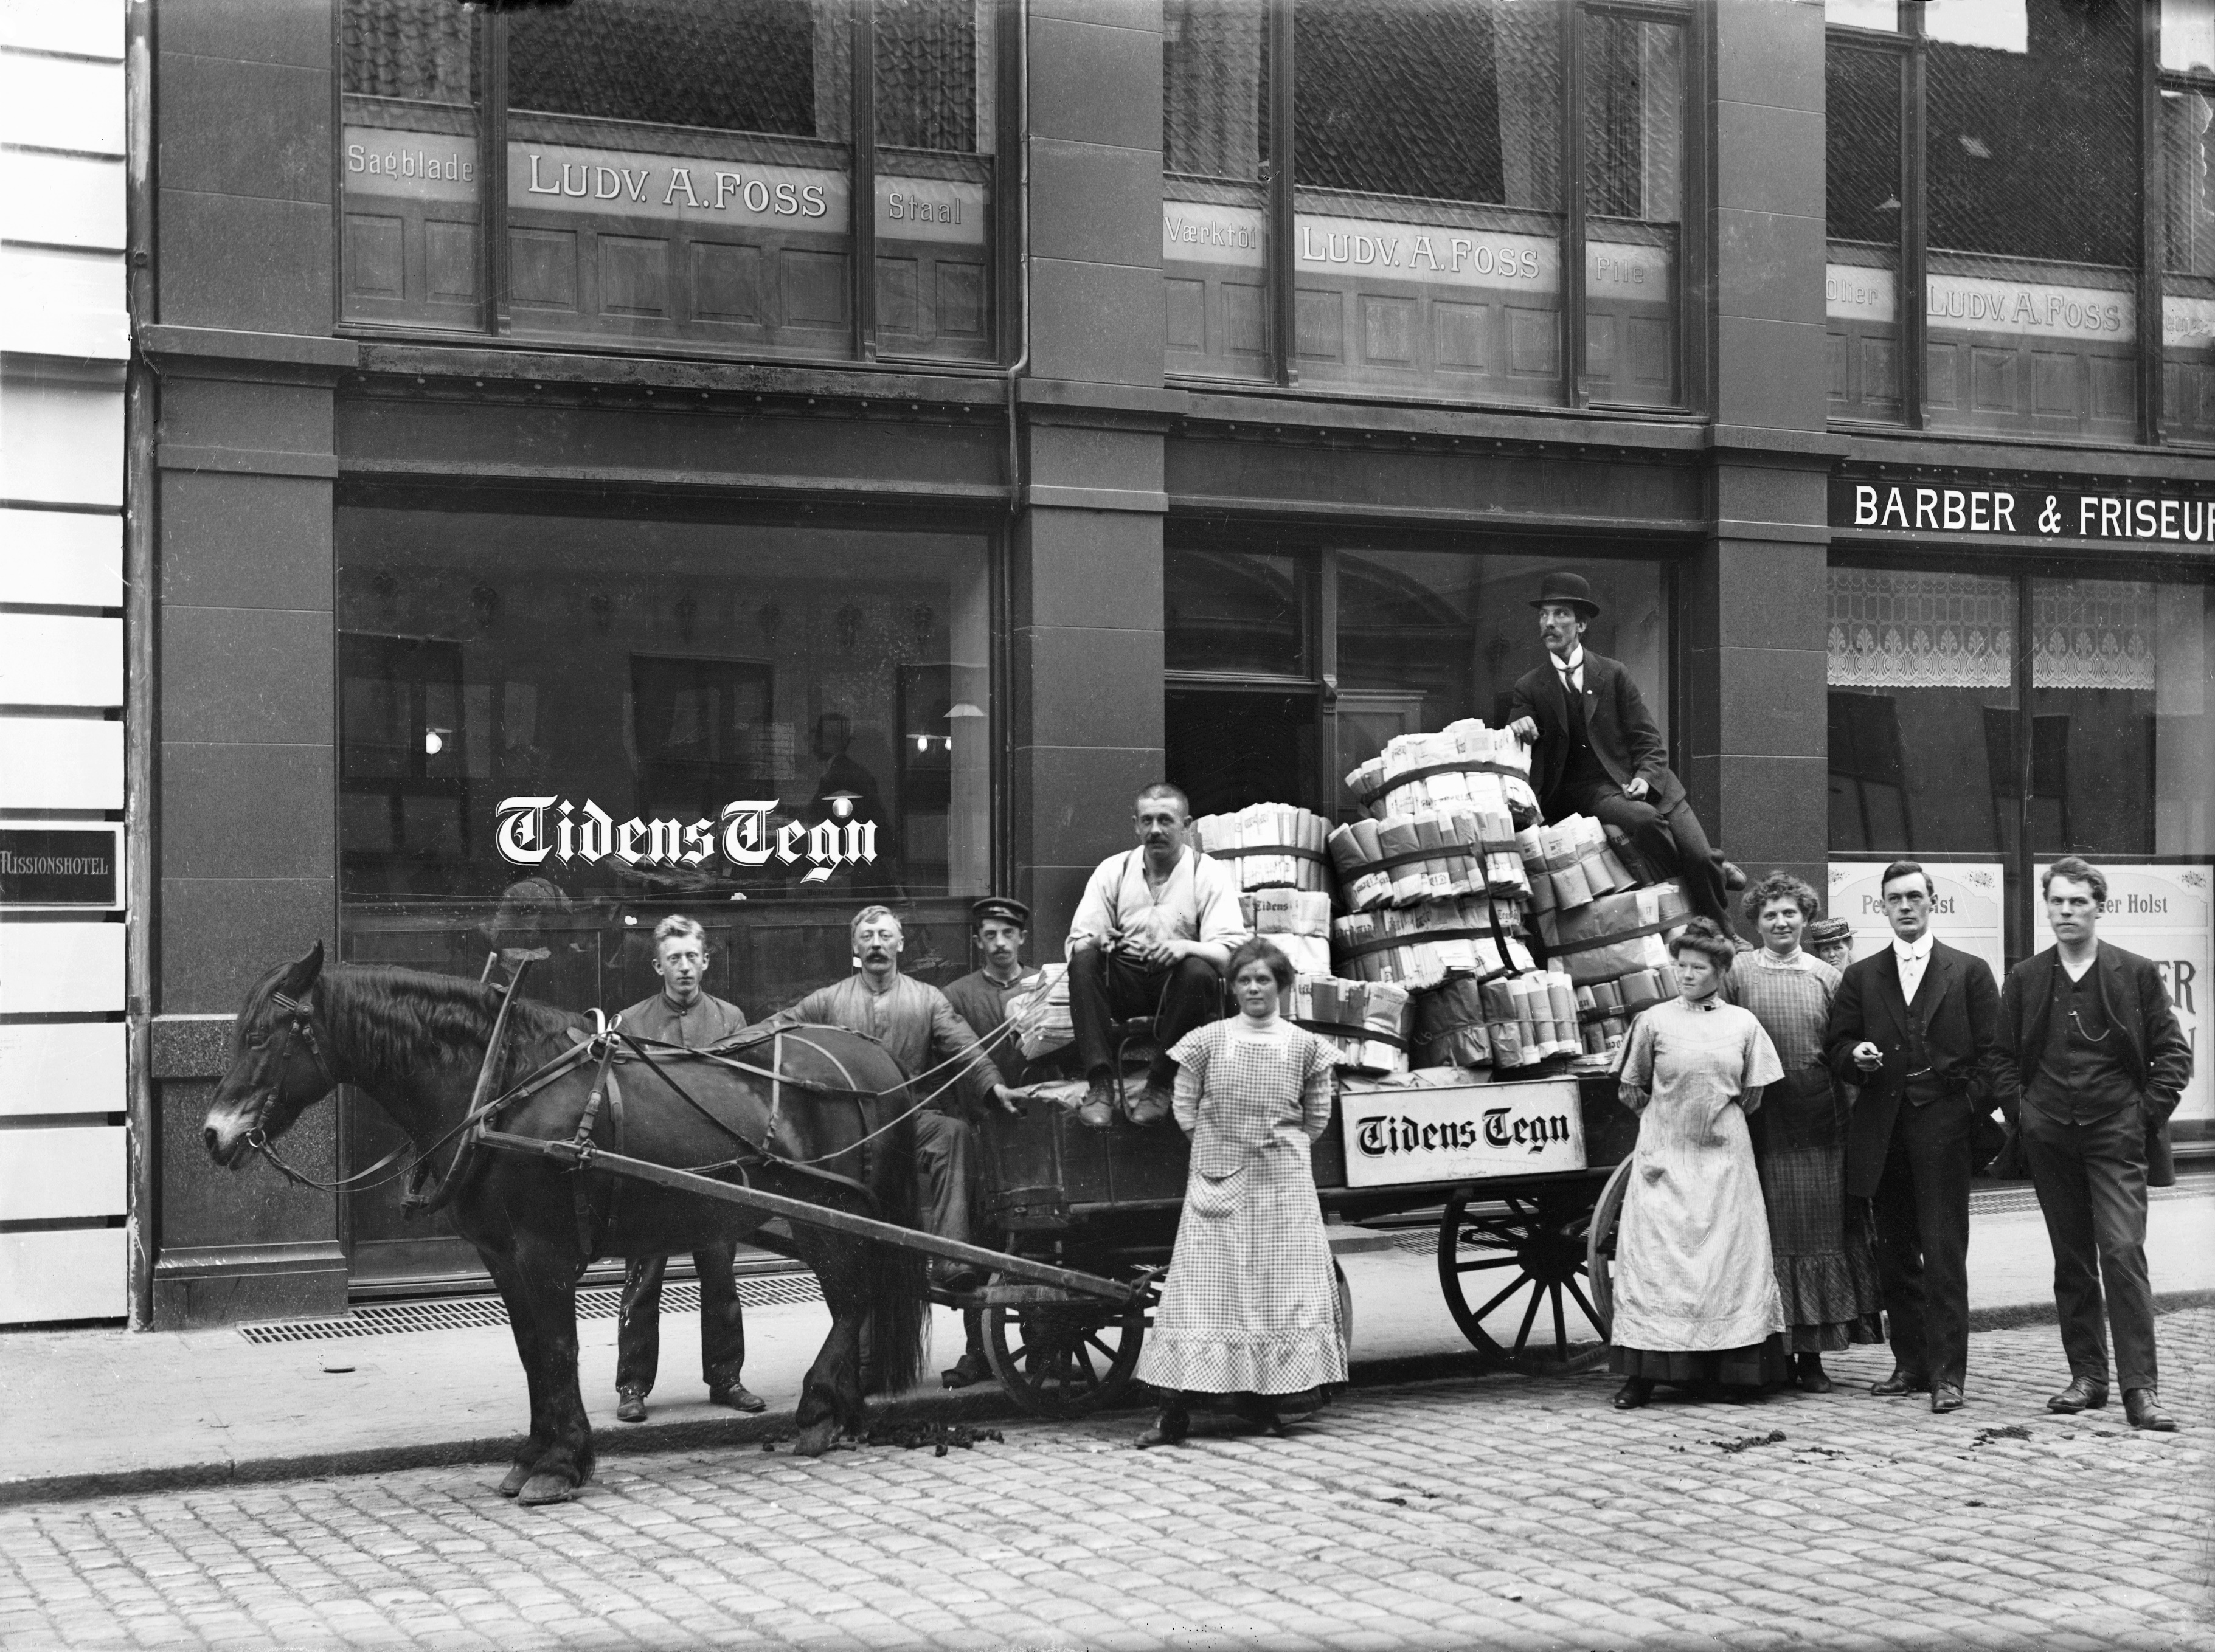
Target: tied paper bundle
x=1040, y=1013
x=1599, y=1013
x=1450, y=1026
x=1421, y=945
x=1511, y=1036
x=1465, y=762
x=1436, y=853
x=1269, y=845
x=1617, y=934
x=1296, y=922
x=1570, y=862
x=1366, y=1019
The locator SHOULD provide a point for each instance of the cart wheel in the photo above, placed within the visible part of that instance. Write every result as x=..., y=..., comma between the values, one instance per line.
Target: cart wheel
x=1064, y=1359
x=1599, y=1247
x=1498, y=1249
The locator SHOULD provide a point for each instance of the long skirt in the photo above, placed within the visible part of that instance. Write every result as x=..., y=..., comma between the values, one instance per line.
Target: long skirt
x=1756, y=1366
x=1250, y=1304
x=1826, y=1261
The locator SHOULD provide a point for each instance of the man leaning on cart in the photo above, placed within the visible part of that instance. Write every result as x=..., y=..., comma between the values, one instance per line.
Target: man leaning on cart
x=1151, y=938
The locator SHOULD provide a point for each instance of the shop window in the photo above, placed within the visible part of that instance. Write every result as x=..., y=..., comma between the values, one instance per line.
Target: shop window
x=2188, y=163
x=1214, y=133
x=409, y=228
x=1634, y=143
x=1268, y=700
x=2030, y=153
x=1861, y=284
x=679, y=173
x=1427, y=243
x=762, y=726
x=1917, y=663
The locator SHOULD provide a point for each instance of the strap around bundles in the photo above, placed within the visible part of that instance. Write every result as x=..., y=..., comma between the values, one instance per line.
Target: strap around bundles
x=1385, y=944
x=1408, y=777
x=1340, y=1030
x=1575, y=947
x=1292, y=849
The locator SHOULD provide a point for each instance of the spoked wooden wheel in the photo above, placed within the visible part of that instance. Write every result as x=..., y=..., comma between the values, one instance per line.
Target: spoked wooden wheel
x=1599, y=1247
x=1525, y=1250
x=1064, y=1359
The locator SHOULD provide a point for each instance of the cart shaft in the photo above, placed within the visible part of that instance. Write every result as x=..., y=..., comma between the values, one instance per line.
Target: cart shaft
x=569, y=1155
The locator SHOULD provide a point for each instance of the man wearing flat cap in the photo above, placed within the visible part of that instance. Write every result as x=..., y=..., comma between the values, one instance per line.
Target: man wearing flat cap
x=1600, y=753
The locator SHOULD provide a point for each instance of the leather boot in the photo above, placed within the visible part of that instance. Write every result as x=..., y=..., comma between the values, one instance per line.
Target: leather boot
x=630, y=1405
x=1169, y=1429
x=2082, y=1394
x=1634, y=1393
x=1901, y=1382
x=2142, y=1407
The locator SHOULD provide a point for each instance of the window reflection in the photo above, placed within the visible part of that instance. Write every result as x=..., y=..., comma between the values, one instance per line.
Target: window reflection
x=1236, y=611
x=1633, y=126
x=1215, y=139
x=1861, y=285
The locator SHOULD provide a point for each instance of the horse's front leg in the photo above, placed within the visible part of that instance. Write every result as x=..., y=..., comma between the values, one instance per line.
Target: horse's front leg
x=831, y=1395
x=545, y=1294
x=524, y=1326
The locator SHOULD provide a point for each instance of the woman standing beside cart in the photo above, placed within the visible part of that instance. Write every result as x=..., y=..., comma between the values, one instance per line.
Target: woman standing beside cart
x=1250, y=1307
x=1826, y=1264
x=1696, y=1298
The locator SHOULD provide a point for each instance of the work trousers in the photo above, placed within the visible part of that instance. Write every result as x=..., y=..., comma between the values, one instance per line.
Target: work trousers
x=1107, y=986
x=1921, y=1212
x=1673, y=844
x=945, y=1164
x=2091, y=1183
x=722, y=1321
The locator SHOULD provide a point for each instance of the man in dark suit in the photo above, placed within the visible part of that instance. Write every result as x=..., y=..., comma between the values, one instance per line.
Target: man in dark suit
x=1599, y=751
x=2092, y=1062
x=1916, y=1026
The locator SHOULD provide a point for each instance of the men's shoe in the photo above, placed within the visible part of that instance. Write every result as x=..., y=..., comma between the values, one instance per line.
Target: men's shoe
x=1946, y=1397
x=1901, y=1382
x=738, y=1397
x=1152, y=1105
x=1634, y=1393
x=958, y=1277
x=971, y=1368
x=630, y=1405
x=1734, y=876
x=2142, y=1407
x=2082, y=1394
x=1098, y=1112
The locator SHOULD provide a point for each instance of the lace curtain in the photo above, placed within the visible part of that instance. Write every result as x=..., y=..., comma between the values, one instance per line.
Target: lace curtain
x=1895, y=630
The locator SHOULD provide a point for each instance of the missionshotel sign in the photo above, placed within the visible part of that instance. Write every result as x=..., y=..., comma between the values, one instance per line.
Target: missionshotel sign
x=1435, y=1125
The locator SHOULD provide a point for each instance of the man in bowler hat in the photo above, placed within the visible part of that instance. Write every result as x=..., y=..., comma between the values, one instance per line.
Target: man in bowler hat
x=2092, y=1063
x=1600, y=753
x=1916, y=1026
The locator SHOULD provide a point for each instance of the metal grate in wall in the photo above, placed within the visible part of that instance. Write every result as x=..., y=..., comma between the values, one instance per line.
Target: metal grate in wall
x=471, y=1313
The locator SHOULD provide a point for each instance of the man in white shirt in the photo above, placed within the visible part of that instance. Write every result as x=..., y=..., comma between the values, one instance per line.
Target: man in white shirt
x=1916, y=1026
x=1151, y=936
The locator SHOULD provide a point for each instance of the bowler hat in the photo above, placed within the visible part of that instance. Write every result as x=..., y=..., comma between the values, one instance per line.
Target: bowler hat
x=1569, y=588
x=1005, y=908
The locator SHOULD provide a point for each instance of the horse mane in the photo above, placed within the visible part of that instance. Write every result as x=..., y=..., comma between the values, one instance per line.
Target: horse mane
x=397, y=1022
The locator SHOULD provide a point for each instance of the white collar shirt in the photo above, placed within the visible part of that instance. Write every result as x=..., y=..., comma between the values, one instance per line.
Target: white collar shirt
x=1911, y=958
x=1572, y=670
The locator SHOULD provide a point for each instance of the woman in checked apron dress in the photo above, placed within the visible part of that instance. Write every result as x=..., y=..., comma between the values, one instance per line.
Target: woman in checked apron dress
x=1250, y=1306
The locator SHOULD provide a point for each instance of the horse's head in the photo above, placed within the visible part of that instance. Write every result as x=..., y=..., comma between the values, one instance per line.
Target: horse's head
x=279, y=1064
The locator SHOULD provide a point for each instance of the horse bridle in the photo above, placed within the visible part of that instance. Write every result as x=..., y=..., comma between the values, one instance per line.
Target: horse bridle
x=301, y=1025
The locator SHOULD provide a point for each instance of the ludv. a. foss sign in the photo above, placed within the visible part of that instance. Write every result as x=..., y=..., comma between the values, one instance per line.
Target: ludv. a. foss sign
x=530, y=831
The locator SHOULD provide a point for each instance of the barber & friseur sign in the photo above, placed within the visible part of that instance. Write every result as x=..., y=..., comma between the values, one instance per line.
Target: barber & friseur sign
x=2160, y=515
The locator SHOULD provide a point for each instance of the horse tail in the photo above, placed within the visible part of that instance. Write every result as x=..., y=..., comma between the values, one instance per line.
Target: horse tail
x=899, y=1278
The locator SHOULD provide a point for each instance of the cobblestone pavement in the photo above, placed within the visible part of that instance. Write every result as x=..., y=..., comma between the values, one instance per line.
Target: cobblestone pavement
x=1506, y=1513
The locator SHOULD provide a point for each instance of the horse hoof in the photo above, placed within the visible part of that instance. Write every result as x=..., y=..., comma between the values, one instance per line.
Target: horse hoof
x=518, y=1477
x=814, y=1440
x=545, y=1489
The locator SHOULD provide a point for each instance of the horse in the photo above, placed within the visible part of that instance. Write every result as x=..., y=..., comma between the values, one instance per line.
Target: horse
x=830, y=1123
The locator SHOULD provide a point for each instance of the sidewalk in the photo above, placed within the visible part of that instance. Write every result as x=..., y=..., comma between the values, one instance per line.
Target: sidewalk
x=107, y=1412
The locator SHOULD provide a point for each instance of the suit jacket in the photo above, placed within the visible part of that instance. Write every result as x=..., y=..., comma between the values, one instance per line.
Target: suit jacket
x=2154, y=1050
x=1957, y=1006
x=1624, y=735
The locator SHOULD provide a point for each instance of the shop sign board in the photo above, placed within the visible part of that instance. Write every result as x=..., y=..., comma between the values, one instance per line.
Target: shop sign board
x=2037, y=310
x=75, y=868
x=424, y=166
x=2166, y=513
x=536, y=831
x=1967, y=911
x=1402, y=1130
x=2163, y=913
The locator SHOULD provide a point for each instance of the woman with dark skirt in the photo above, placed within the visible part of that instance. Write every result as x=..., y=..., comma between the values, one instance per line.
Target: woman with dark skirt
x=1696, y=1298
x=1249, y=1311
x=1825, y=1262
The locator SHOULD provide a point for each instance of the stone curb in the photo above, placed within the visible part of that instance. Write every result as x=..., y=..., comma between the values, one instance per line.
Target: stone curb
x=974, y=1405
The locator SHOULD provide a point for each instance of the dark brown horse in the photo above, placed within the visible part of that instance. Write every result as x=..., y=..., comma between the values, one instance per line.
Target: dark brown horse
x=413, y=1044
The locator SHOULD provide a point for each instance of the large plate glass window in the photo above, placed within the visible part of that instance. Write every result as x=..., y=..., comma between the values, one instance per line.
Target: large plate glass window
x=409, y=189
x=1633, y=120
x=934, y=126
x=1215, y=148
x=2030, y=152
x=1426, y=246
x=1864, y=194
x=556, y=729
x=2188, y=163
